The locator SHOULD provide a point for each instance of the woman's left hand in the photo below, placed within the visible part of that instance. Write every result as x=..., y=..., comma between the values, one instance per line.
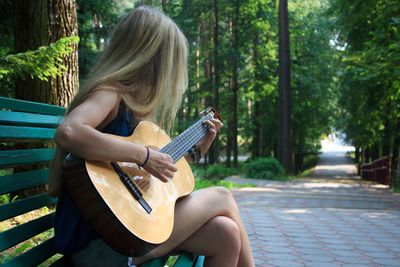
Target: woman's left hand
x=214, y=125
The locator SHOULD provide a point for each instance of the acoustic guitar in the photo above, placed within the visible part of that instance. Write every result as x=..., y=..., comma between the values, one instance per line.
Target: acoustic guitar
x=131, y=210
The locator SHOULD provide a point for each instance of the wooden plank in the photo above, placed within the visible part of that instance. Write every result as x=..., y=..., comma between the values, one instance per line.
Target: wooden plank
x=11, y=158
x=29, y=119
x=22, y=180
x=199, y=261
x=34, y=256
x=25, y=231
x=32, y=107
x=18, y=133
x=159, y=262
x=185, y=260
x=19, y=207
x=62, y=262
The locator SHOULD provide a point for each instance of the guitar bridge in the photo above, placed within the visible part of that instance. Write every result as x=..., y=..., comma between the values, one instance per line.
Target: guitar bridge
x=131, y=186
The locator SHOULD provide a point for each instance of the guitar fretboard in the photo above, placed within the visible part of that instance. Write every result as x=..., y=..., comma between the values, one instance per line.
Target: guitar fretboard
x=181, y=144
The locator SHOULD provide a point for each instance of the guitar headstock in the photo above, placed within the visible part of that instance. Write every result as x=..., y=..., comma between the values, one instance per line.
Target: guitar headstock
x=213, y=112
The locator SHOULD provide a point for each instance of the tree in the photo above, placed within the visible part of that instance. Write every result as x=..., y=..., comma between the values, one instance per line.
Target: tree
x=39, y=23
x=369, y=80
x=284, y=139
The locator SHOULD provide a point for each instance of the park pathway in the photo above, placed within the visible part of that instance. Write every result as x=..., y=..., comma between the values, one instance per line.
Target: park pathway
x=330, y=219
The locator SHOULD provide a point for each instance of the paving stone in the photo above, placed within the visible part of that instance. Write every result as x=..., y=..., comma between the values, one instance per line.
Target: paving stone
x=318, y=264
x=312, y=251
x=302, y=240
x=382, y=255
x=281, y=256
x=371, y=248
x=284, y=263
x=345, y=253
x=394, y=249
x=334, y=241
x=386, y=262
x=322, y=222
x=316, y=258
x=358, y=265
x=357, y=260
x=337, y=246
x=306, y=245
x=278, y=250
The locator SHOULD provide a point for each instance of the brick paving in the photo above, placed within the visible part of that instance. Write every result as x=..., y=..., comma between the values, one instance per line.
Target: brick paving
x=330, y=219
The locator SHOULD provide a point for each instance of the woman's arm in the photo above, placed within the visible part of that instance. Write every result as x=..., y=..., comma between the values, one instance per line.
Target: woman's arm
x=78, y=135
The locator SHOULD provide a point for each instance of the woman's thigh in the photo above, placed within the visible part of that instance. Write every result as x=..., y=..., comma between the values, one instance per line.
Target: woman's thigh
x=191, y=213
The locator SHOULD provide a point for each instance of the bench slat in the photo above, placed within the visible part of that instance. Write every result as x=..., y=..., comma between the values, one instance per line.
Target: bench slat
x=156, y=262
x=11, y=158
x=25, y=231
x=19, y=207
x=29, y=119
x=15, y=133
x=184, y=260
x=22, y=180
x=34, y=256
x=32, y=107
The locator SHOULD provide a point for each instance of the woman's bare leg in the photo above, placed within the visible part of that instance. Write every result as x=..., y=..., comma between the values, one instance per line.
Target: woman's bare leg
x=218, y=240
x=195, y=211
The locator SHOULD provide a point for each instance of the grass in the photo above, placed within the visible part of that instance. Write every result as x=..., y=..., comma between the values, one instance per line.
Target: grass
x=202, y=183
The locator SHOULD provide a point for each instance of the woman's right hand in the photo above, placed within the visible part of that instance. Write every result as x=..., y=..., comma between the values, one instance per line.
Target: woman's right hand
x=160, y=165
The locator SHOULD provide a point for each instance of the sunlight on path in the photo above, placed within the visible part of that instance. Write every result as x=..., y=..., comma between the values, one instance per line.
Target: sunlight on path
x=333, y=162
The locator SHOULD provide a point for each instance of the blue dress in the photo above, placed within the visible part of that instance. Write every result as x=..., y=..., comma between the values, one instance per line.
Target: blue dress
x=72, y=232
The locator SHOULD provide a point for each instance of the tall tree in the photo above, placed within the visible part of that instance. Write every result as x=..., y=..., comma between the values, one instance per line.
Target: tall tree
x=284, y=140
x=38, y=23
x=214, y=149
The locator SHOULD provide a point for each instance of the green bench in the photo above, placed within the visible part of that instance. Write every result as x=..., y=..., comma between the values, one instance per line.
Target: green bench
x=26, y=131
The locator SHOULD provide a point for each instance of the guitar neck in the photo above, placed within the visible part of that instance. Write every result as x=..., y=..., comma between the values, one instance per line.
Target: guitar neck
x=181, y=144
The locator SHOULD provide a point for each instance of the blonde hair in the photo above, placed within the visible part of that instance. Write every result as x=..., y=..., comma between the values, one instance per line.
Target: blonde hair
x=146, y=55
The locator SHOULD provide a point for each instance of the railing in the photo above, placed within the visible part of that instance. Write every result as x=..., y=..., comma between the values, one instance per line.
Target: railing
x=377, y=171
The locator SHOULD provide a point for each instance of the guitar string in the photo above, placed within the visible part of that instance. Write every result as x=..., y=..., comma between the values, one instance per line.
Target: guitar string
x=194, y=127
x=199, y=133
x=185, y=145
x=144, y=185
x=170, y=147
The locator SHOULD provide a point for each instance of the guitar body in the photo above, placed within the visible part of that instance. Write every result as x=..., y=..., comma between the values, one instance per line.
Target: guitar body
x=110, y=208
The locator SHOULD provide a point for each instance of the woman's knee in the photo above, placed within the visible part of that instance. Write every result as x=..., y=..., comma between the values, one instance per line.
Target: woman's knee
x=227, y=233
x=225, y=197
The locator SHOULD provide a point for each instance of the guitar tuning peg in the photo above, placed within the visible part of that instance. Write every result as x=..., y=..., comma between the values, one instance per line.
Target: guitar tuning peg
x=206, y=111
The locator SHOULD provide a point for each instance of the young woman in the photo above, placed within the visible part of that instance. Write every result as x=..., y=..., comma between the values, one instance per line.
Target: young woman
x=141, y=75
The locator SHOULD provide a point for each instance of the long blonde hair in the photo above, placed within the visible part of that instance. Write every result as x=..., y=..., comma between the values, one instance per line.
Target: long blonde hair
x=147, y=56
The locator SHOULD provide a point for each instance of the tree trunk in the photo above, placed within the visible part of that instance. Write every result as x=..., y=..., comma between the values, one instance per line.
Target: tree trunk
x=284, y=138
x=256, y=142
x=164, y=4
x=38, y=23
x=214, y=149
x=235, y=84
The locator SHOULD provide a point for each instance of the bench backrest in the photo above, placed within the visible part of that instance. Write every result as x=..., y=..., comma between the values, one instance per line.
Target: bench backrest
x=26, y=139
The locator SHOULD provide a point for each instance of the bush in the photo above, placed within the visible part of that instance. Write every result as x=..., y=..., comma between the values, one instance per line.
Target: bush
x=264, y=168
x=218, y=172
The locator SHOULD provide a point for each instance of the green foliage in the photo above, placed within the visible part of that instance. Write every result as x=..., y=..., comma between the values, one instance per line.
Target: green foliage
x=369, y=33
x=201, y=183
x=4, y=199
x=45, y=62
x=219, y=171
x=396, y=181
x=264, y=168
